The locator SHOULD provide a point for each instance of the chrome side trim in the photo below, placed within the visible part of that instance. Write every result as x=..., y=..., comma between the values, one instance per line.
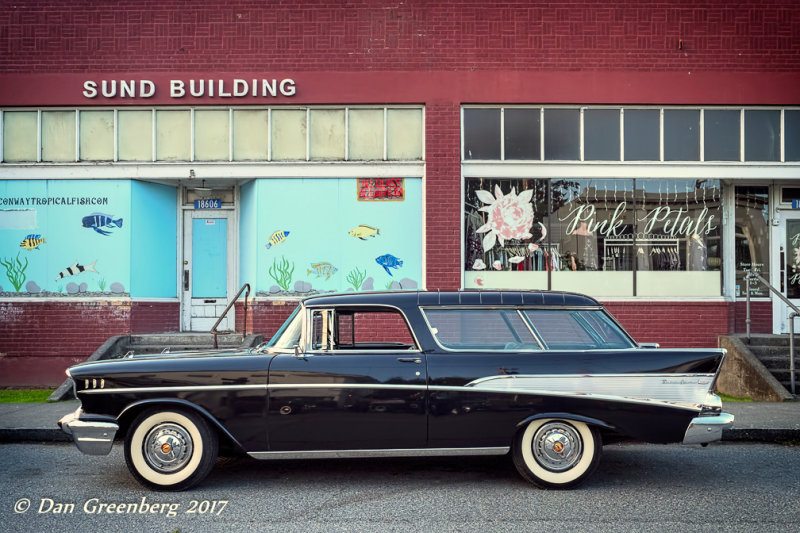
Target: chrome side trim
x=126, y=390
x=705, y=429
x=409, y=452
x=686, y=388
x=588, y=396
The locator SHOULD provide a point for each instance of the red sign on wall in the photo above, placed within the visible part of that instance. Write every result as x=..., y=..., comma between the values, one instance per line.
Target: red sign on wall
x=370, y=189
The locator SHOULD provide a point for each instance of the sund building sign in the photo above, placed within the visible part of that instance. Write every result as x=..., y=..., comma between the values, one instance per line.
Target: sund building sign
x=203, y=88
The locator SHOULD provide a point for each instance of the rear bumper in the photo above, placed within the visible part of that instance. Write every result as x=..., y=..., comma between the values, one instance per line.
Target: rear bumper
x=705, y=429
x=92, y=437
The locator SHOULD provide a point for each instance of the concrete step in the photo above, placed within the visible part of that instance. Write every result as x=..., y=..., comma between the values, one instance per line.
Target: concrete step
x=769, y=340
x=777, y=361
x=760, y=351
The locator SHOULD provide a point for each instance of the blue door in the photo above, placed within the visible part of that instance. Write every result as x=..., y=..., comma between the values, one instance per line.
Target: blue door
x=207, y=269
x=209, y=257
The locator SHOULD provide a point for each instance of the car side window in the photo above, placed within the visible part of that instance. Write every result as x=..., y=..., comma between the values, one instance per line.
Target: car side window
x=481, y=329
x=563, y=329
x=370, y=329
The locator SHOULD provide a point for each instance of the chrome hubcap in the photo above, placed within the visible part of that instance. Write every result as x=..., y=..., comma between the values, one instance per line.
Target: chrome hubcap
x=557, y=446
x=167, y=448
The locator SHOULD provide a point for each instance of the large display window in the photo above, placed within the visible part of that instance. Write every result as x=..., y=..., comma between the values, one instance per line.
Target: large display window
x=603, y=237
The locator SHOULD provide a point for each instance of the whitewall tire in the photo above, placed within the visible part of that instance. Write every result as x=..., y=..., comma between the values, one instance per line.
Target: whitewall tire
x=557, y=454
x=170, y=449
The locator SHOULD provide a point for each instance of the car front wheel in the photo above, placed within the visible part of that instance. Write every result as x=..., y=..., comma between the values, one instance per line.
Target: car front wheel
x=170, y=449
x=557, y=454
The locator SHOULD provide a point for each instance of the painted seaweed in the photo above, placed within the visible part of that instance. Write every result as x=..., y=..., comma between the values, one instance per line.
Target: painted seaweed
x=15, y=271
x=282, y=272
x=356, y=278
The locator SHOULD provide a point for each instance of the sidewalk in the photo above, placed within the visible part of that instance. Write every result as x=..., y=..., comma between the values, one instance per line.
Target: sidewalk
x=756, y=421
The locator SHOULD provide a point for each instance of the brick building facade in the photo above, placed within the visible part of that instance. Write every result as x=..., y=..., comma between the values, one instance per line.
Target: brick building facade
x=292, y=100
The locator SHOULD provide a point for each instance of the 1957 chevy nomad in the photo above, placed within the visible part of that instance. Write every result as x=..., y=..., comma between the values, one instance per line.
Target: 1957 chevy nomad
x=548, y=376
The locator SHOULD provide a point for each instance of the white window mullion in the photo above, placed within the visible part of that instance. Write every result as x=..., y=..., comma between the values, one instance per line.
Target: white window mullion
x=77, y=136
x=502, y=134
x=38, y=135
x=622, y=134
x=346, y=133
x=702, y=135
x=541, y=134
x=741, y=135
x=154, y=143
x=192, y=136
x=581, y=112
x=308, y=134
x=116, y=135
x=661, y=135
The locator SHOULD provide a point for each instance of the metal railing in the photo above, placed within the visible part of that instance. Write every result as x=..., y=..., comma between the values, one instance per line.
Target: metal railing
x=213, y=329
x=752, y=274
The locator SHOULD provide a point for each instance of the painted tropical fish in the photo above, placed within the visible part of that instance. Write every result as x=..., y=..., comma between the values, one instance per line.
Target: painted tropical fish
x=388, y=261
x=322, y=270
x=97, y=221
x=76, y=269
x=277, y=238
x=363, y=231
x=32, y=242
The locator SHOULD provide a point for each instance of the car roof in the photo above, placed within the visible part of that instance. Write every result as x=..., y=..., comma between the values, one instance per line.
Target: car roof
x=453, y=298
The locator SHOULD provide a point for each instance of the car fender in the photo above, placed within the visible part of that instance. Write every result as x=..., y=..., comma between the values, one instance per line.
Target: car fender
x=130, y=411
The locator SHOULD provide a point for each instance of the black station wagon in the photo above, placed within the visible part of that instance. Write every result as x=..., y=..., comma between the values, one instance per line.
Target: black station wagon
x=546, y=376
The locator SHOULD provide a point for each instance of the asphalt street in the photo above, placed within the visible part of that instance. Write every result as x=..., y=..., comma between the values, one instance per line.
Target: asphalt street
x=723, y=487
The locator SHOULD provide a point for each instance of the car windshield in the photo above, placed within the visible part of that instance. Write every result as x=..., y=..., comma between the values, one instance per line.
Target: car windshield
x=288, y=336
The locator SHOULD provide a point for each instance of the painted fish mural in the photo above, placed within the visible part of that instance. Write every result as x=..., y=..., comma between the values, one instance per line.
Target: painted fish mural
x=98, y=221
x=76, y=269
x=325, y=270
x=32, y=242
x=388, y=261
x=363, y=231
x=277, y=238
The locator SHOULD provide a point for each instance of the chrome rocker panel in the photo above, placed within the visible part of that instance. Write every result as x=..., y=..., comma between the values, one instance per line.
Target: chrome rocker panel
x=91, y=437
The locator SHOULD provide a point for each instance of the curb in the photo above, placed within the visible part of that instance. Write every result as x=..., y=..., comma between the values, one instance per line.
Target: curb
x=33, y=435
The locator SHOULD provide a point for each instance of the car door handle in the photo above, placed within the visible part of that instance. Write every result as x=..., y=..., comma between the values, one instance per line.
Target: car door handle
x=417, y=360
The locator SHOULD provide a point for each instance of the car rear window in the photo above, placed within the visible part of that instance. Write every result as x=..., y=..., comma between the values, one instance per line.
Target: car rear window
x=562, y=329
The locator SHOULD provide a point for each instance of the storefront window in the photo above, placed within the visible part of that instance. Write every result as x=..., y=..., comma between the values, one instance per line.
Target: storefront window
x=506, y=236
x=592, y=230
x=752, y=238
x=678, y=237
x=603, y=237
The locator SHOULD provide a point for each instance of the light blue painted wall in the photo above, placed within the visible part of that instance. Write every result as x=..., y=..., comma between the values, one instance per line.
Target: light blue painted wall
x=55, y=209
x=318, y=215
x=248, y=200
x=154, y=240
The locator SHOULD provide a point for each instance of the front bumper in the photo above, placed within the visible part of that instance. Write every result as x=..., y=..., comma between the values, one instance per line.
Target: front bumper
x=705, y=429
x=92, y=437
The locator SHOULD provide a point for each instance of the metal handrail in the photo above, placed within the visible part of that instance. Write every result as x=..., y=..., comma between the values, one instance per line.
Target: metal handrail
x=213, y=329
x=752, y=274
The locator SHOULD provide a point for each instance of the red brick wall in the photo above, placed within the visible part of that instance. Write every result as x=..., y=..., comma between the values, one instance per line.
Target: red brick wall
x=39, y=340
x=155, y=317
x=152, y=35
x=689, y=324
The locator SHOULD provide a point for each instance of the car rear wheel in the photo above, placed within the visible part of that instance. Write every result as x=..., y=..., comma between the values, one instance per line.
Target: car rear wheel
x=557, y=454
x=170, y=449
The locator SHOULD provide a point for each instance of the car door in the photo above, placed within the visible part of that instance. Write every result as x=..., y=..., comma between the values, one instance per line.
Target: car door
x=356, y=382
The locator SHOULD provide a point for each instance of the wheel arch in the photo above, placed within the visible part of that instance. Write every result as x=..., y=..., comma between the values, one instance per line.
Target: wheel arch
x=567, y=416
x=131, y=411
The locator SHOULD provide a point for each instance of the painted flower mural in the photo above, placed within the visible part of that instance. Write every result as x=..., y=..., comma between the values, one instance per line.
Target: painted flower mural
x=510, y=216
